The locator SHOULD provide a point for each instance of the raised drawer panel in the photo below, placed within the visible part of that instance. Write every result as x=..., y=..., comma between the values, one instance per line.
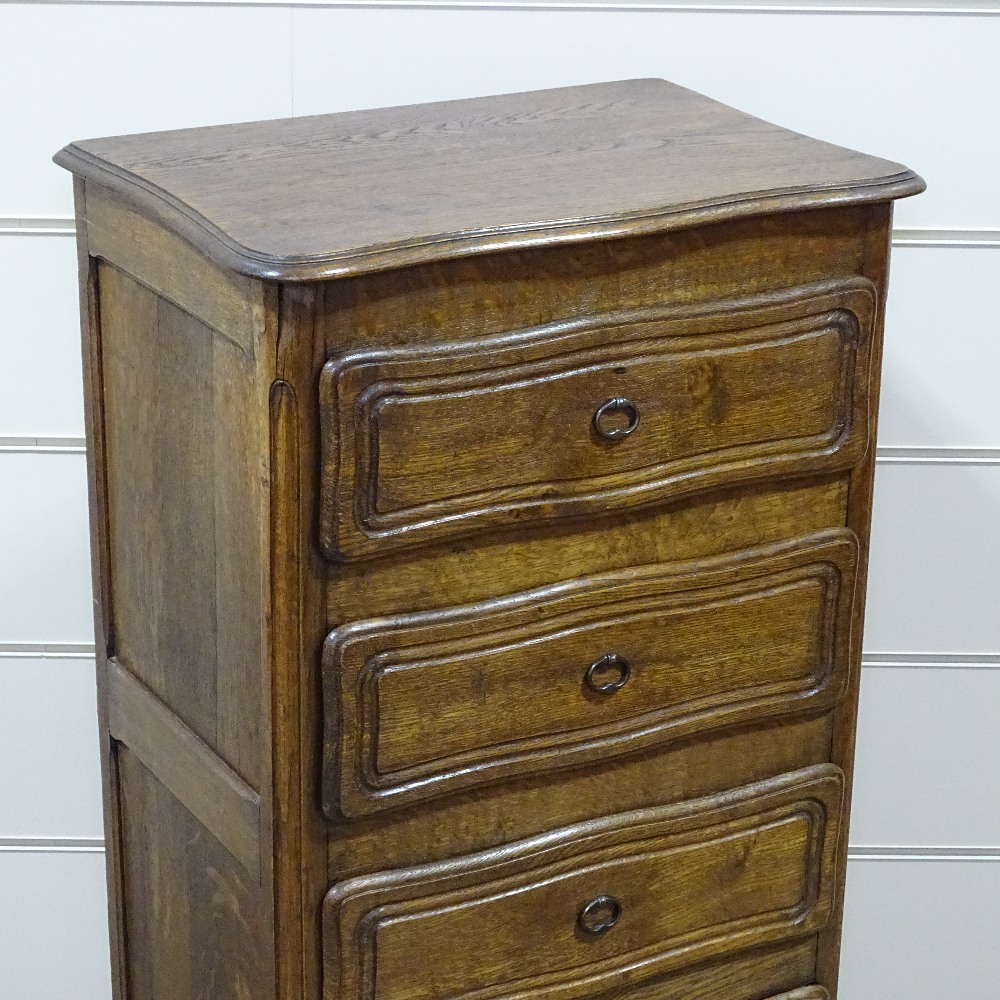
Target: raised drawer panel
x=682, y=884
x=751, y=976
x=427, y=442
x=422, y=704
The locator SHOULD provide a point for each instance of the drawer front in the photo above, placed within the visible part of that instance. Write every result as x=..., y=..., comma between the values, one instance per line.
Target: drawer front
x=423, y=704
x=428, y=442
x=602, y=905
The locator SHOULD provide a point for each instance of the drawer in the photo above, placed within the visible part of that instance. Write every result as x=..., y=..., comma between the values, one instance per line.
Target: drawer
x=602, y=905
x=581, y=418
x=423, y=704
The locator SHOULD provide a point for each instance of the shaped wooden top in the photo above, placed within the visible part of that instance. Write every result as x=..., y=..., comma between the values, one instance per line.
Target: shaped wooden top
x=340, y=194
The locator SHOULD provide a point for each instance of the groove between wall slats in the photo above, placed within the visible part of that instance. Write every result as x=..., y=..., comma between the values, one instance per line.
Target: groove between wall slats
x=47, y=650
x=965, y=8
x=52, y=845
x=886, y=456
x=987, y=239
x=95, y=845
x=875, y=659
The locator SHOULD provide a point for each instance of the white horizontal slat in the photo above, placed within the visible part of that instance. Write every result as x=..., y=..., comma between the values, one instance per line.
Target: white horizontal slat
x=933, y=576
x=50, y=776
x=39, y=337
x=867, y=95
x=53, y=927
x=918, y=930
x=80, y=71
x=942, y=354
x=44, y=552
x=927, y=758
x=899, y=7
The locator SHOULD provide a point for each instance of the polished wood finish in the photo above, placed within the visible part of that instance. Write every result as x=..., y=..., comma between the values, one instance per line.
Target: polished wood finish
x=424, y=443
x=193, y=916
x=383, y=189
x=418, y=705
x=679, y=885
x=480, y=498
x=217, y=797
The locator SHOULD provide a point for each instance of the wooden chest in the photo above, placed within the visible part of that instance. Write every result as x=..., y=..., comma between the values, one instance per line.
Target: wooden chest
x=480, y=501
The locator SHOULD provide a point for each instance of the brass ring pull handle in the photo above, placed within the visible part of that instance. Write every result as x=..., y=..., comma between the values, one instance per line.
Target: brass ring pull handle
x=600, y=915
x=611, y=430
x=611, y=664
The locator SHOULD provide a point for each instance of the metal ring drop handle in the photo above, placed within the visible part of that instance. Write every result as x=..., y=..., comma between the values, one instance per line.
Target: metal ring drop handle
x=610, y=661
x=617, y=405
x=599, y=915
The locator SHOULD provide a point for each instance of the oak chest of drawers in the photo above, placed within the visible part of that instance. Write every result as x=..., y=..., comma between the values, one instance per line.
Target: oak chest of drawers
x=480, y=503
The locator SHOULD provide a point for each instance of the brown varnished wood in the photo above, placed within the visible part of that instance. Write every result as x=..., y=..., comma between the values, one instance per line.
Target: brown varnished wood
x=418, y=705
x=536, y=803
x=297, y=579
x=519, y=289
x=423, y=443
x=465, y=570
x=740, y=977
x=194, y=919
x=380, y=189
x=184, y=436
x=211, y=791
x=100, y=559
x=862, y=486
x=182, y=585
x=691, y=882
x=338, y=383
x=233, y=305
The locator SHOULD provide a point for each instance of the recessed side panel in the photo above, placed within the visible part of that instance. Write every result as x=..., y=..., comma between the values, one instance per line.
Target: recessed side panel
x=184, y=440
x=194, y=919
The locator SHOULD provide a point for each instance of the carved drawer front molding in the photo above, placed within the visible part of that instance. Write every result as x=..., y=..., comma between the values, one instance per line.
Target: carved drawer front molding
x=595, y=906
x=579, y=418
x=422, y=704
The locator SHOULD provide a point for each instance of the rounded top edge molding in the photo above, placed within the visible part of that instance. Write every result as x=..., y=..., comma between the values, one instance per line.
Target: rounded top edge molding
x=337, y=195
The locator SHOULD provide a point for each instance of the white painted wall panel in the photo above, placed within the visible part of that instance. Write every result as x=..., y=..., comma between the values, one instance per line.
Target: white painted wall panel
x=44, y=549
x=80, y=71
x=935, y=541
x=53, y=927
x=39, y=337
x=918, y=930
x=50, y=775
x=861, y=81
x=942, y=349
x=928, y=758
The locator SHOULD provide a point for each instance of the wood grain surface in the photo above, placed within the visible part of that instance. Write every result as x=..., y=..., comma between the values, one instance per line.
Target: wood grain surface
x=680, y=885
x=330, y=195
x=422, y=443
x=419, y=705
x=194, y=919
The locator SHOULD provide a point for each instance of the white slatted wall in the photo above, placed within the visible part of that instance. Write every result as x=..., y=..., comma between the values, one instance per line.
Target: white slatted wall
x=911, y=82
